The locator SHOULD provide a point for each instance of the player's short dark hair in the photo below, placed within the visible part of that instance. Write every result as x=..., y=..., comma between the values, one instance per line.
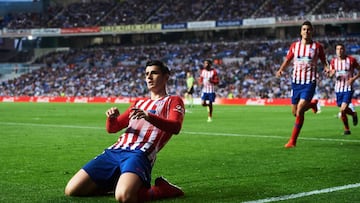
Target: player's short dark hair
x=308, y=23
x=209, y=61
x=164, y=69
x=339, y=44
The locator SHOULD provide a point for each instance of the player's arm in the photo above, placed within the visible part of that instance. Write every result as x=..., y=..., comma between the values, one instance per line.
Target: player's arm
x=201, y=79
x=172, y=124
x=323, y=60
x=215, y=78
x=286, y=62
x=116, y=121
x=356, y=67
x=283, y=67
x=331, y=70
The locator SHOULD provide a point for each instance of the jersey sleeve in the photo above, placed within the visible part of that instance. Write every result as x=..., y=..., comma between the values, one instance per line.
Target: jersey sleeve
x=201, y=78
x=290, y=54
x=114, y=125
x=215, y=78
x=173, y=123
x=354, y=63
x=332, y=67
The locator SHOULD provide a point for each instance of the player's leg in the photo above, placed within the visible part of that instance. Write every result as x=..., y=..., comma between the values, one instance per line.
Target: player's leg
x=350, y=110
x=210, y=106
x=190, y=93
x=82, y=185
x=97, y=177
x=191, y=100
x=210, y=111
x=294, y=109
x=314, y=105
x=351, y=106
x=204, y=98
x=128, y=187
x=343, y=110
x=134, y=183
x=162, y=189
x=353, y=113
x=318, y=107
x=302, y=95
x=299, y=121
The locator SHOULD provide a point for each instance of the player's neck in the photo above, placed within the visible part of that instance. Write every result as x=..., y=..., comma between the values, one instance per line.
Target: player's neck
x=306, y=41
x=156, y=96
x=342, y=57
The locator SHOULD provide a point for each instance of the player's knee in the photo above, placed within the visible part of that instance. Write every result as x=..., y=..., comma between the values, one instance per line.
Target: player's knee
x=69, y=191
x=125, y=197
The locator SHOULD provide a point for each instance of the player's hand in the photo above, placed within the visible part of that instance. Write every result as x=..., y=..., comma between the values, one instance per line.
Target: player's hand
x=137, y=113
x=113, y=112
x=279, y=73
x=351, y=81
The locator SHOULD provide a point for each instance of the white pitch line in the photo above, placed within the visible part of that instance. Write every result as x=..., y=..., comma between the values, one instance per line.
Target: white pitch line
x=185, y=132
x=52, y=125
x=267, y=136
x=304, y=194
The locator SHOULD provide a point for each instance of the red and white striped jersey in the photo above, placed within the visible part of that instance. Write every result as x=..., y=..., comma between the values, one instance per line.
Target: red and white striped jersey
x=344, y=70
x=206, y=78
x=166, y=114
x=305, y=58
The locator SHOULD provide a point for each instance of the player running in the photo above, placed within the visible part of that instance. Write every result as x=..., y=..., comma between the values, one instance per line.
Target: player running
x=305, y=54
x=343, y=67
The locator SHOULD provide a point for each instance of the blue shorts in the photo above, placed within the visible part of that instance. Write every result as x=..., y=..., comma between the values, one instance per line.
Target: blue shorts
x=343, y=97
x=208, y=96
x=302, y=91
x=106, y=168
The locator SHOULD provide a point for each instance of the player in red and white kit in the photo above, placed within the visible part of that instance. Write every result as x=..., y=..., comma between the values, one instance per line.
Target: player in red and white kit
x=343, y=67
x=125, y=167
x=305, y=54
x=208, y=79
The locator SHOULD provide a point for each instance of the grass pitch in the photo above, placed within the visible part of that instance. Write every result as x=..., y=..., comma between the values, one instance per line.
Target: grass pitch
x=239, y=157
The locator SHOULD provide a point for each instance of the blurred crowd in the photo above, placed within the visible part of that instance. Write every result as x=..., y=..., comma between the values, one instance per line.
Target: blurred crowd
x=85, y=13
x=106, y=71
x=112, y=70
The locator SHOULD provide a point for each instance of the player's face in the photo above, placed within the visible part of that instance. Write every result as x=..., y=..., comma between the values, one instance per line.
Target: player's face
x=306, y=32
x=207, y=65
x=155, y=79
x=340, y=51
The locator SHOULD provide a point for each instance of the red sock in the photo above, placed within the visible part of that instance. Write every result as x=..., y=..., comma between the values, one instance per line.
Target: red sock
x=149, y=194
x=349, y=111
x=299, y=121
x=345, y=121
x=313, y=105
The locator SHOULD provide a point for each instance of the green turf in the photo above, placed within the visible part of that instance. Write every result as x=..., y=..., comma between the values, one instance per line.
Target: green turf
x=238, y=157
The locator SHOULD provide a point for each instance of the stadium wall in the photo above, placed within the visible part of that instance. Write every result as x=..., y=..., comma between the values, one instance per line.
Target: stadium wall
x=220, y=101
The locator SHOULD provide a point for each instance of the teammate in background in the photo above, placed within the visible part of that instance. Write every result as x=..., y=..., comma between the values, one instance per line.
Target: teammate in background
x=208, y=79
x=125, y=167
x=305, y=54
x=190, y=81
x=343, y=67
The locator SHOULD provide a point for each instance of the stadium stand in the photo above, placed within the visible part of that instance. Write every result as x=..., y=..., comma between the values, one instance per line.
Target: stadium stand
x=99, y=70
x=108, y=12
